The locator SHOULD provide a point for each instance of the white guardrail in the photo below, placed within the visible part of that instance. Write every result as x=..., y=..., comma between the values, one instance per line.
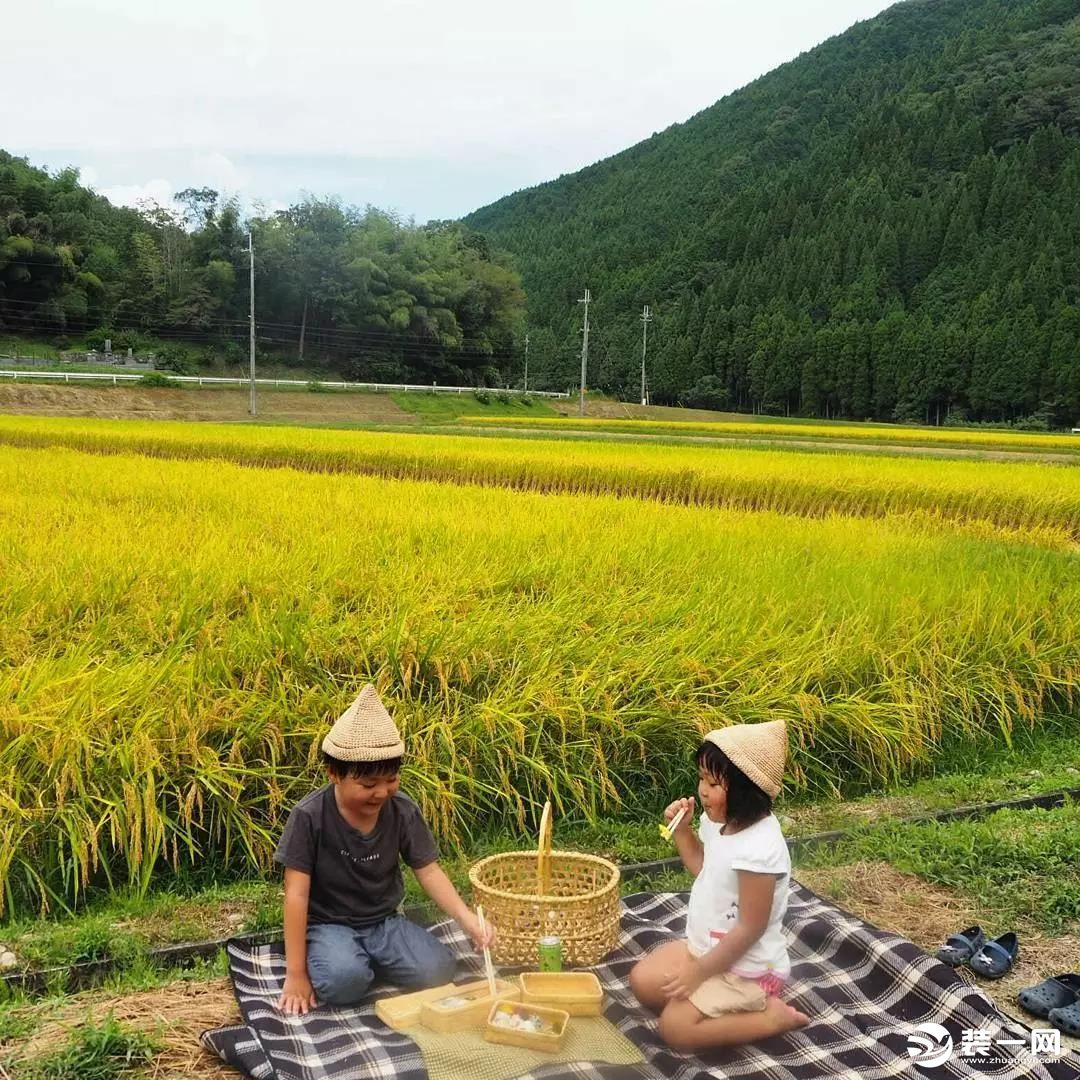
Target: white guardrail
x=116, y=377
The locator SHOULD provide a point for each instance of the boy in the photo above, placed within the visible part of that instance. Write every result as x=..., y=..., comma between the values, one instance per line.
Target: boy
x=343, y=884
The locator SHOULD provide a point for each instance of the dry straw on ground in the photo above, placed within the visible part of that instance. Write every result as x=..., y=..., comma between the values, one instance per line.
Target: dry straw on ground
x=927, y=914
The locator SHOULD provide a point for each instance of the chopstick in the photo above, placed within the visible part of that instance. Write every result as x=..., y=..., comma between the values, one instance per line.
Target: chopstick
x=667, y=831
x=489, y=968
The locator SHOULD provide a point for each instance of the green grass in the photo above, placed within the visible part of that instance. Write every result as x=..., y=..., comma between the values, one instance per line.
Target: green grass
x=1022, y=866
x=32, y=346
x=125, y=925
x=18, y=1017
x=96, y=1050
x=1037, y=762
x=444, y=408
x=202, y=358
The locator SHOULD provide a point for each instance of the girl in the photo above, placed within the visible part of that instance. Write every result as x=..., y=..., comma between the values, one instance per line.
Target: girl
x=721, y=985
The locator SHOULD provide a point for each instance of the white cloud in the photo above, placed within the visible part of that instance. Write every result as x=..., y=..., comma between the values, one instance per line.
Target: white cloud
x=216, y=170
x=158, y=191
x=218, y=82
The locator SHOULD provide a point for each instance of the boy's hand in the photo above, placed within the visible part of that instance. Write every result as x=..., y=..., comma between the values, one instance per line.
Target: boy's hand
x=683, y=981
x=471, y=925
x=298, y=996
x=688, y=818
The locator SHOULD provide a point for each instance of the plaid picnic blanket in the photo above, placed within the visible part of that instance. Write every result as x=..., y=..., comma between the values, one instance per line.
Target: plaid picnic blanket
x=864, y=989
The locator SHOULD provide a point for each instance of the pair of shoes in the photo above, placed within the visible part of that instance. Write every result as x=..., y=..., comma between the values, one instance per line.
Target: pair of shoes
x=992, y=959
x=1056, y=999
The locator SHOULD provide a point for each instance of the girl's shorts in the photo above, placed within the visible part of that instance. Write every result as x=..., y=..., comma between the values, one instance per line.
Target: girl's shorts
x=729, y=993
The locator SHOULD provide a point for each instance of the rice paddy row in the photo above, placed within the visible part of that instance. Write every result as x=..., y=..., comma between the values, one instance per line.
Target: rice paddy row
x=886, y=434
x=173, y=640
x=1042, y=501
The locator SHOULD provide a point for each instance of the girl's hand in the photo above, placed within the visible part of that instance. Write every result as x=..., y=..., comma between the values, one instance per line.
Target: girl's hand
x=298, y=996
x=683, y=981
x=688, y=818
x=480, y=938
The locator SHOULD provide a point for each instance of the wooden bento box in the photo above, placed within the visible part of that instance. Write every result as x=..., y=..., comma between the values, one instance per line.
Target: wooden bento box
x=505, y=1015
x=577, y=993
x=403, y=1010
x=465, y=1006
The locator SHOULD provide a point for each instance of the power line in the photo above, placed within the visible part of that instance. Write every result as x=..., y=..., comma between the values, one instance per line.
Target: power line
x=334, y=349
x=387, y=335
x=215, y=335
x=371, y=335
x=338, y=337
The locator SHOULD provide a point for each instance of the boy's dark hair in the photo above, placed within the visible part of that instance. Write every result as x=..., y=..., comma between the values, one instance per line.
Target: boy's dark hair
x=359, y=769
x=746, y=802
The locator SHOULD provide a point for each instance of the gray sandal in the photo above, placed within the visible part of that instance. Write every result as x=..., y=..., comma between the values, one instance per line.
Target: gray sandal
x=1058, y=992
x=1067, y=1020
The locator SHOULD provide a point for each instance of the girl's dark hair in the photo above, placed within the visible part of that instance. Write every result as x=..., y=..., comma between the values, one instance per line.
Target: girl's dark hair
x=358, y=769
x=746, y=802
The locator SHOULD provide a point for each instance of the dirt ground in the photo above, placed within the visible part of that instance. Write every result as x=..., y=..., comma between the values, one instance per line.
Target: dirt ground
x=135, y=403
x=926, y=914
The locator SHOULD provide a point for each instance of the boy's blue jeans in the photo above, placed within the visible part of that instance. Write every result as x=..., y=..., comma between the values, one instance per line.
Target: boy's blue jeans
x=343, y=962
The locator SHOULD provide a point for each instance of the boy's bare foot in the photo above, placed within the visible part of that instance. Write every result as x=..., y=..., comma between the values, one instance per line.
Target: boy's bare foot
x=785, y=1017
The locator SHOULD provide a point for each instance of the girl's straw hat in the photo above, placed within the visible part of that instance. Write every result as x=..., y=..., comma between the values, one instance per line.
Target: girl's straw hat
x=364, y=731
x=759, y=750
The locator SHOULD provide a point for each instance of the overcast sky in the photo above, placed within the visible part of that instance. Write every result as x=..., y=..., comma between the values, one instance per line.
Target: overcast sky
x=429, y=107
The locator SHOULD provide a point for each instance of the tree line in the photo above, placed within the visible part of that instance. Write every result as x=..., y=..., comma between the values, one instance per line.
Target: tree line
x=357, y=290
x=887, y=227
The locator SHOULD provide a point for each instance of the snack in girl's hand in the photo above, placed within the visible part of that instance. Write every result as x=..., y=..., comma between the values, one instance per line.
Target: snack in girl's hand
x=668, y=831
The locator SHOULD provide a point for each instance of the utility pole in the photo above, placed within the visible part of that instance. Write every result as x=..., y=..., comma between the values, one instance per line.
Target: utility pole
x=646, y=318
x=251, y=318
x=526, y=363
x=584, y=352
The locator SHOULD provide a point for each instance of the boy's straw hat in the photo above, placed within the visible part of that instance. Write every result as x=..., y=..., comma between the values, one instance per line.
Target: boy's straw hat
x=364, y=731
x=759, y=750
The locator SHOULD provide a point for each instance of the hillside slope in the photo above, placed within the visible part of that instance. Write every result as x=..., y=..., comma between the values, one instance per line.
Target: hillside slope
x=887, y=226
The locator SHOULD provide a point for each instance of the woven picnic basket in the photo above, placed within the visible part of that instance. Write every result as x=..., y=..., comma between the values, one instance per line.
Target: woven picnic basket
x=527, y=895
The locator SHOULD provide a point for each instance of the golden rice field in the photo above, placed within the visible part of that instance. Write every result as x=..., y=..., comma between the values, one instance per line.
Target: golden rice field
x=175, y=634
x=1028, y=496
x=884, y=434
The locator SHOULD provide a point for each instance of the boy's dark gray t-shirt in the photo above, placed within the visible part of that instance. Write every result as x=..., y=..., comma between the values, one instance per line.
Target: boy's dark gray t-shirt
x=355, y=878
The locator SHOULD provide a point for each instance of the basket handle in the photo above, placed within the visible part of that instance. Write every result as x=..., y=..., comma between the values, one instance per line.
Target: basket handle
x=543, y=853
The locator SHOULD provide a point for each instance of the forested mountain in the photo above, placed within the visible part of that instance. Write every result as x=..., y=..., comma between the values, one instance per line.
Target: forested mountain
x=358, y=289
x=888, y=226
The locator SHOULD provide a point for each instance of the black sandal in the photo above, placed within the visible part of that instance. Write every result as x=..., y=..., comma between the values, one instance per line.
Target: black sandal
x=959, y=948
x=996, y=958
x=1055, y=993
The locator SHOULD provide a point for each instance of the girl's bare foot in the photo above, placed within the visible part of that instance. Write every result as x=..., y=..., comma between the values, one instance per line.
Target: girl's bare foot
x=784, y=1017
